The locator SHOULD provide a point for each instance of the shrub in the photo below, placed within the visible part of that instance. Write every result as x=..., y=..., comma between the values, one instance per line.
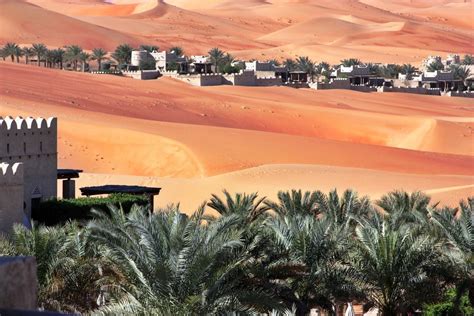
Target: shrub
x=53, y=212
x=229, y=69
x=148, y=64
x=447, y=306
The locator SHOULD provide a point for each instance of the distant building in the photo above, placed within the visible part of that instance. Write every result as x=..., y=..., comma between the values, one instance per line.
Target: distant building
x=443, y=80
x=266, y=70
x=28, y=153
x=356, y=74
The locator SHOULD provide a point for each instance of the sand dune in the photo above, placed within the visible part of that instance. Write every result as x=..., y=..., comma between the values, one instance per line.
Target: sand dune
x=380, y=31
x=231, y=136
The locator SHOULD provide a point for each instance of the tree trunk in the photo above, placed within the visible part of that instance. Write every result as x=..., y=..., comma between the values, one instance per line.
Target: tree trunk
x=61, y=64
x=17, y=59
x=388, y=311
x=39, y=60
x=99, y=61
x=27, y=60
x=13, y=58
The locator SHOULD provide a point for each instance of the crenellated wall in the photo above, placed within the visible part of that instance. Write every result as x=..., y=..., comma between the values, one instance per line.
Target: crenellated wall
x=11, y=195
x=33, y=142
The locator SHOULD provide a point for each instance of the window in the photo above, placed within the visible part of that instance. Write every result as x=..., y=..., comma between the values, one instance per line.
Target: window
x=24, y=147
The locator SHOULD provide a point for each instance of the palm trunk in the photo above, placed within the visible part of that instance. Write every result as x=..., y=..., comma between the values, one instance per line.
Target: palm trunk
x=17, y=59
x=13, y=58
x=99, y=61
x=27, y=59
x=39, y=60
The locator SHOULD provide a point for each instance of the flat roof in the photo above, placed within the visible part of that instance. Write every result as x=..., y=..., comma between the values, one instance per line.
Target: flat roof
x=115, y=188
x=68, y=173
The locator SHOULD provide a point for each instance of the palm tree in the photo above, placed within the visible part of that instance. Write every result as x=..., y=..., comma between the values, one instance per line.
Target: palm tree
x=457, y=227
x=307, y=65
x=149, y=48
x=49, y=57
x=435, y=66
x=216, y=56
x=11, y=49
x=18, y=53
x=28, y=52
x=73, y=54
x=40, y=50
x=290, y=64
x=59, y=55
x=398, y=270
x=177, y=50
x=3, y=53
x=99, y=55
x=351, y=62
x=84, y=58
x=408, y=70
x=461, y=72
x=295, y=202
x=174, y=264
x=245, y=206
x=468, y=60
x=123, y=54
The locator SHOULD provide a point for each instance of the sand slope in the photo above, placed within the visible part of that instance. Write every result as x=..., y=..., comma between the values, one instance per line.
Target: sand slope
x=159, y=132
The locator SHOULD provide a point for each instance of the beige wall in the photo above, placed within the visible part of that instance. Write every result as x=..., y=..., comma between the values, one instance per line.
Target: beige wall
x=11, y=195
x=18, y=284
x=33, y=142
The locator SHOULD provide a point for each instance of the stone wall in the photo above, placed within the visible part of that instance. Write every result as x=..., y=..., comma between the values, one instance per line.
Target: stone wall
x=33, y=142
x=363, y=88
x=412, y=90
x=12, y=195
x=267, y=82
x=18, y=283
x=464, y=94
x=336, y=83
x=245, y=78
x=142, y=74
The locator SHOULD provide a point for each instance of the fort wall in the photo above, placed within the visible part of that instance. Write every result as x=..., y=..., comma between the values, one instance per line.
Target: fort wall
x=33, y=142
x=11, y=195
x=142, y=74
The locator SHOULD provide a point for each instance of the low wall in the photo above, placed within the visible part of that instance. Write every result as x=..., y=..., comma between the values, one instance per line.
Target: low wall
x=18, y=283
x=363, y=88
x=412, y=90
x=241, y=79
x=463, y=94
x=338, y=83
x=267, y=82
x=116, y=73
x=142, y=74
x=202, y=80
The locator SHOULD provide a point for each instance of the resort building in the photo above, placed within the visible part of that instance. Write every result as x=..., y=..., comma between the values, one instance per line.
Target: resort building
x=28, y=156
x=200, y=64
x=357, y=74
x=266, y=70
x=443, y=80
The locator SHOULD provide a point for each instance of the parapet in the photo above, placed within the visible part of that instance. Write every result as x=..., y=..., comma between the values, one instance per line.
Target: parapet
x=9, y=123
x=11, y=173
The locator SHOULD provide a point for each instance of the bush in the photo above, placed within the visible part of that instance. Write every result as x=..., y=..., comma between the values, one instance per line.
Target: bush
x=53, y=212
x=446, y=307
x=148, y=64
x=229, y=69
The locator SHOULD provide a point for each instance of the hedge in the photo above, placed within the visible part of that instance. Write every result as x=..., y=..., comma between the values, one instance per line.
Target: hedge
x=53, y=212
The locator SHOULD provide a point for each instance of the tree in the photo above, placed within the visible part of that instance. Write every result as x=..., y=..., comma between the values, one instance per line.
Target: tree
x=303, y=63
x=468, y=60
x=391, y=70
x=73, y=54
x=177, y=50
x=216, y=56
x=18, y=53
x=50, y=57
x=28, y=52
x=351, y=62
x=11, y=49
x=149, y=48
x=40, y=50
x=460, y=72
x=3, y=53
x=295, y=202
x=173, y=264
x=84, y=58
x=99, y=54
x=435, y=66
x=123, y=54
x=274, y=62
x=248, y=207
x=59, y=55
x=408, y=70
x=399, y=270
x=290, y=64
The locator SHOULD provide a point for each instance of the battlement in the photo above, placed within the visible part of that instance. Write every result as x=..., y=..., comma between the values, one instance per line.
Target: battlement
x=24, y=137
x=19, y=123
x=11, y=173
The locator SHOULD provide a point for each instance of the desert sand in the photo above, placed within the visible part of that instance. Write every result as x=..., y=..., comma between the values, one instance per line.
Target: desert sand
x=379, y=31
x=194, y=141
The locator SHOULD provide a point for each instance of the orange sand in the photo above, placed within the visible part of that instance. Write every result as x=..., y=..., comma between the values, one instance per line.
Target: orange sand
x=196, y=141
x=380, y=31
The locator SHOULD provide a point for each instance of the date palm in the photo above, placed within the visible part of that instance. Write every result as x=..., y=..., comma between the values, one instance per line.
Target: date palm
x=11, y=49
x=40, y=50
x=149, y=48
x=73, y=54
x=408, y=70
x=351, y=62
x=123, y=54
x=172, y=263
x=290, y=64
x=248, y=207
x=307, y=65
x=99, y=54
x=397, y=270
x=295, y=202
x=59, y=54
x=28, y=52
x=216, y=56
x=177, y=50
x=84, y=58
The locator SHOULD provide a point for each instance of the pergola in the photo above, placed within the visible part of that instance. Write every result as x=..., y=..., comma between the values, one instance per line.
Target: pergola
x=149, y=192
x=69, y=186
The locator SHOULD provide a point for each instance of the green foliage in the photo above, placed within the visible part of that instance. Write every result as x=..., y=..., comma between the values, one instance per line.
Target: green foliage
x=123, y=54
x=306, y=250
x=434, y=66
x=468, y=60
x=448, y=306
x=229, y=69
x=172, y=66
x=53, y=212
x=149, y=48
x=148, y=64
x=177, y=50
x=351, y=62
x=99, y=54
